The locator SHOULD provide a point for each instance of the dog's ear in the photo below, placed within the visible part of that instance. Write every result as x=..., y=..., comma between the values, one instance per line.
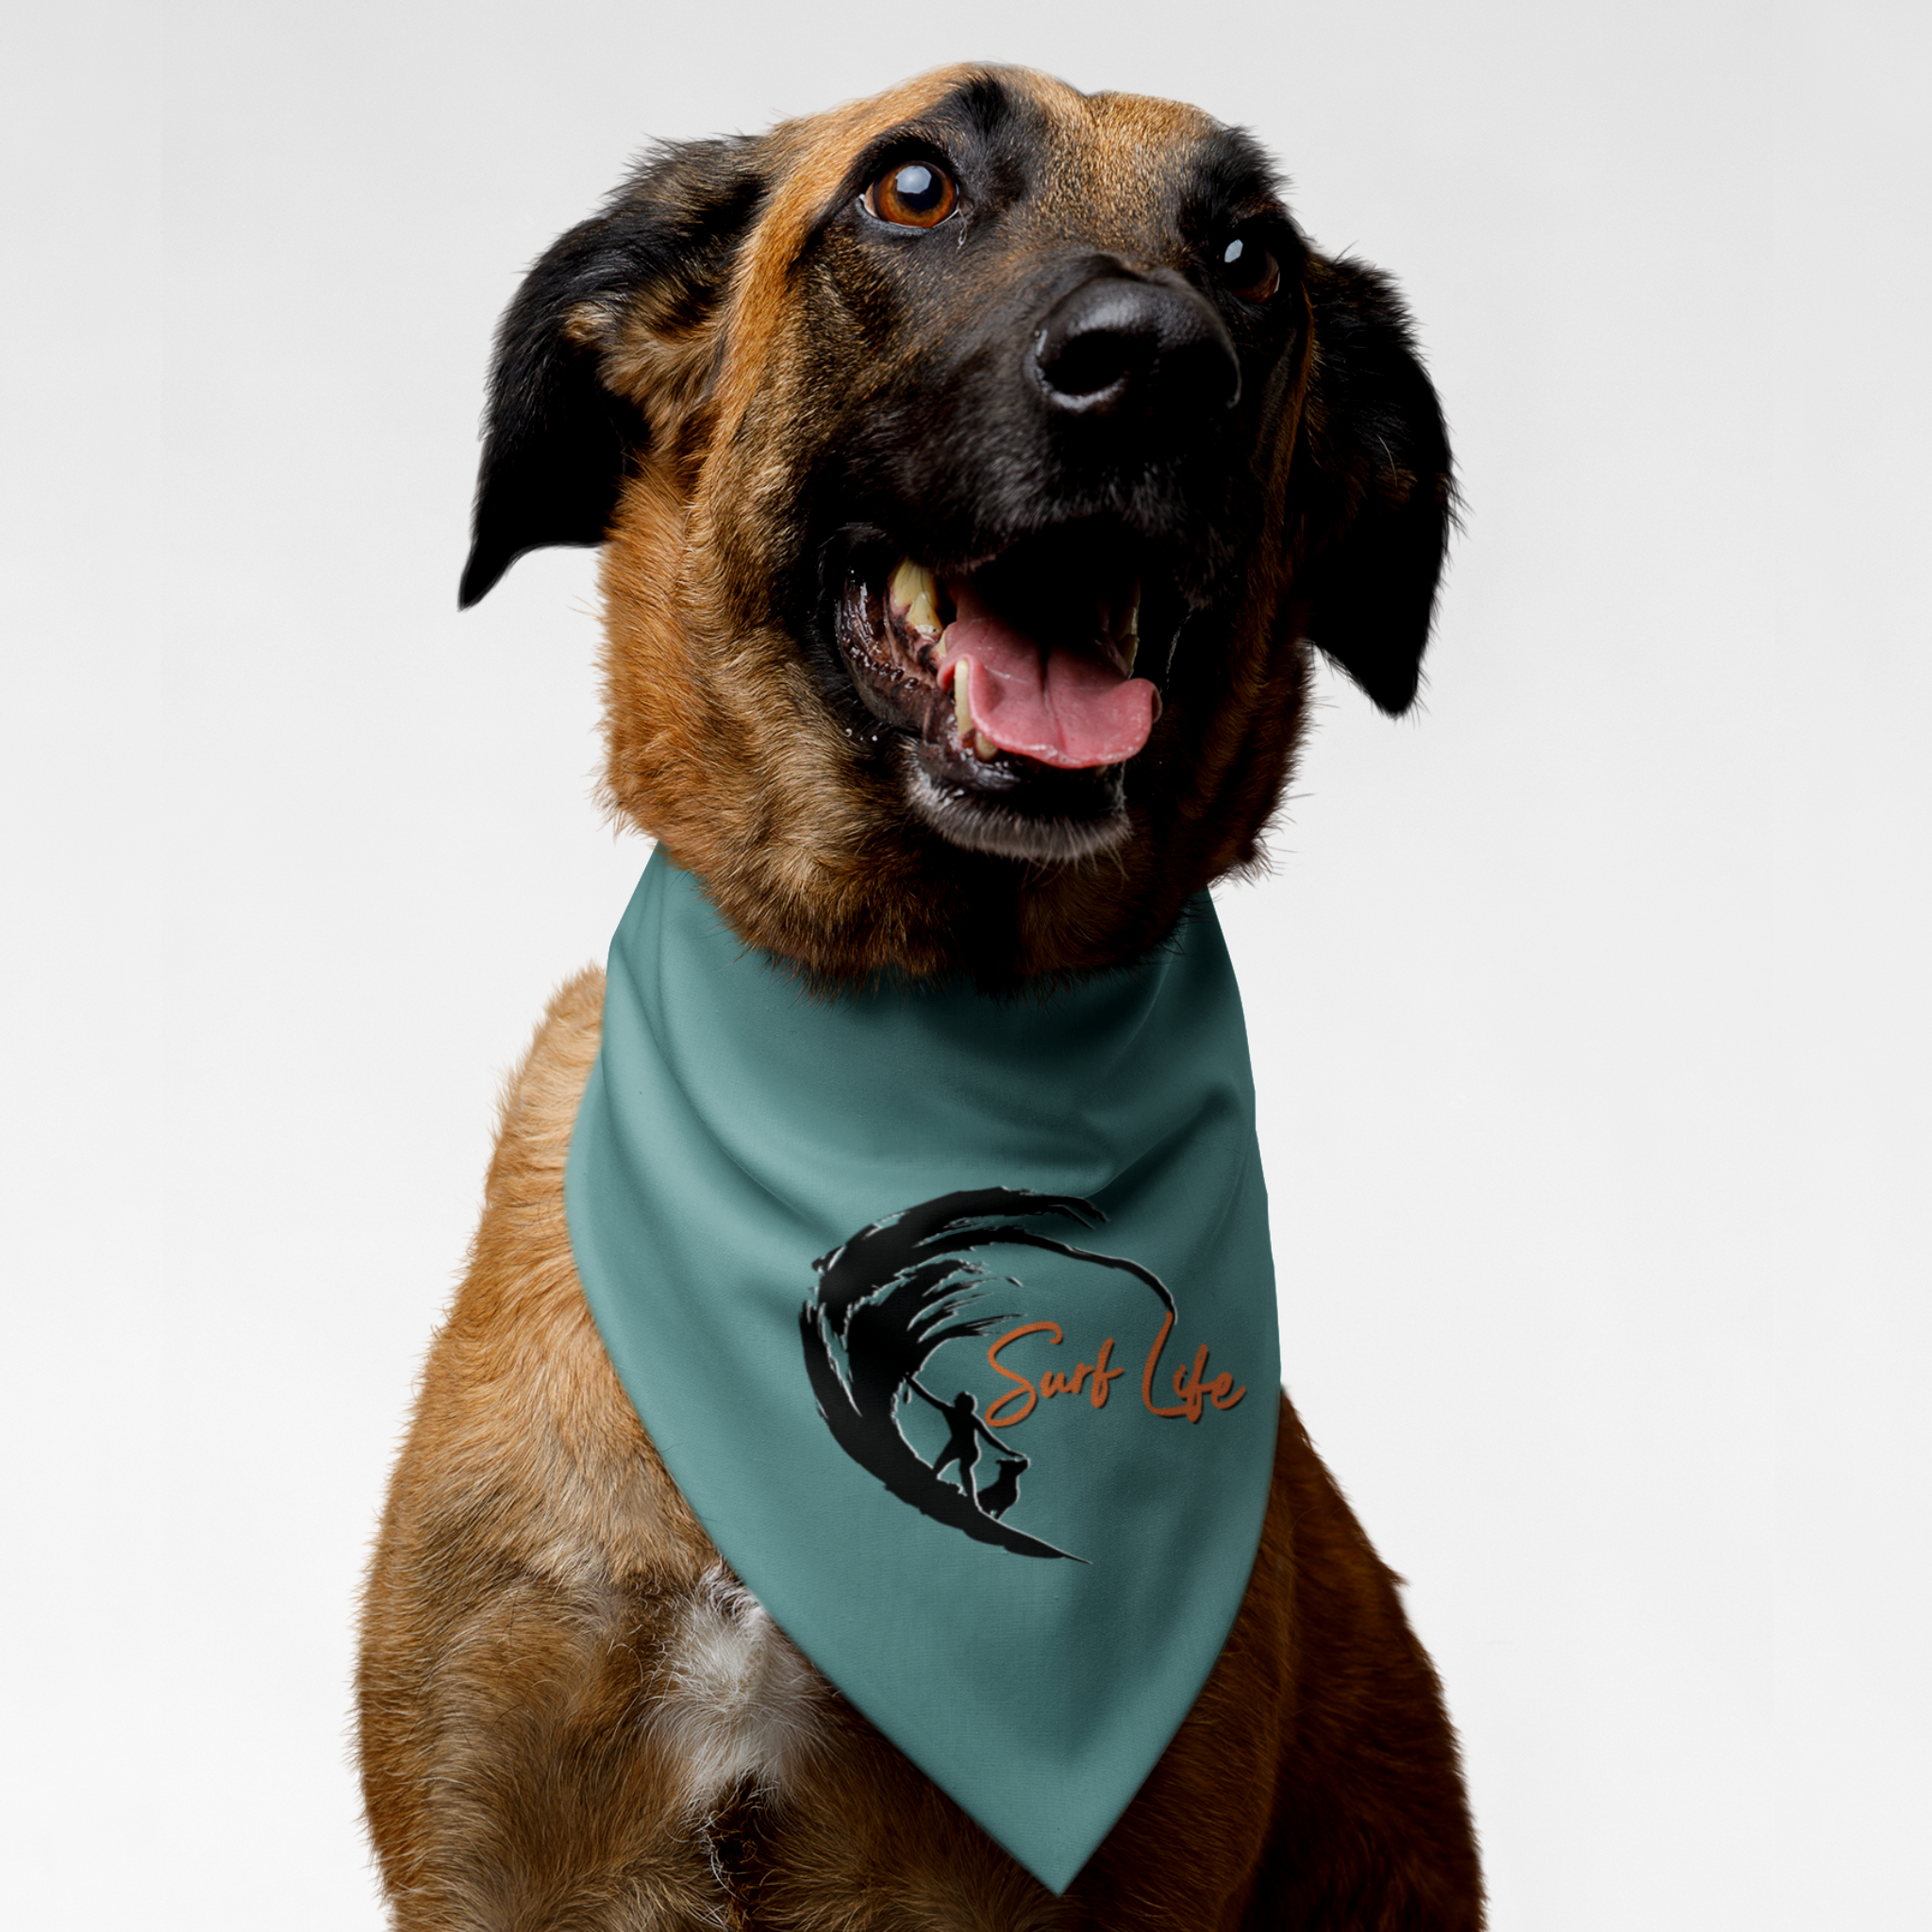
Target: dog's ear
x=570, y=394
x=1375, y=493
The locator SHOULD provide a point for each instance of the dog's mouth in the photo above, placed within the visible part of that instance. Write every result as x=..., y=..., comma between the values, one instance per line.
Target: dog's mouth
x=1015, y=690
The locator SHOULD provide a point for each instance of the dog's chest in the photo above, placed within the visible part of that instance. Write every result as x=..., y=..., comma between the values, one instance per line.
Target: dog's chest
x=736, y=1704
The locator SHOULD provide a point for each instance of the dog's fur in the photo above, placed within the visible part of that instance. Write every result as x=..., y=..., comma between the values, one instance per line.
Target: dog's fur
x=750, y=390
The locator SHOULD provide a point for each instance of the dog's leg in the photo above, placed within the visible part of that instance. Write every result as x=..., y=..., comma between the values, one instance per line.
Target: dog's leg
x=1371, y=1829
x=513, y=1785
x=543, y=1607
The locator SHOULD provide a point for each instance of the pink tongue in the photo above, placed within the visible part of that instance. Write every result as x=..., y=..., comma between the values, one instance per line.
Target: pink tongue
x=1060, y=708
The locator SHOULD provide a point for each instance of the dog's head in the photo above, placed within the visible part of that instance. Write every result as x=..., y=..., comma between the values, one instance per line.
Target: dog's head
x=974, y=465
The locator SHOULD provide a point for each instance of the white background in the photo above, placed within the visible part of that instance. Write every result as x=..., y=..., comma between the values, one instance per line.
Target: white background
x=1588, y=1004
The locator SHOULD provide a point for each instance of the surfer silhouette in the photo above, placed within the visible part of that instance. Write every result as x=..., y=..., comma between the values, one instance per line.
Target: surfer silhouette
x=892, y=1295
x=964, y=1430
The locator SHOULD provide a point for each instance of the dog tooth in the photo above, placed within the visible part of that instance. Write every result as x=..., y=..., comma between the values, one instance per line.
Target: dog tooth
x=915, y=590
x=983, y=747
x=962, y=707
x=1130, y=634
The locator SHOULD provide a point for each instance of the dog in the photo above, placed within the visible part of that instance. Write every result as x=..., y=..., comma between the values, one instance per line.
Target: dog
x=981, y=345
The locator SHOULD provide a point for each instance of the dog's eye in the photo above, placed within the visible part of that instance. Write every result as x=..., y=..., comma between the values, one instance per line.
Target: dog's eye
x=1250, y=269
x=915, y=194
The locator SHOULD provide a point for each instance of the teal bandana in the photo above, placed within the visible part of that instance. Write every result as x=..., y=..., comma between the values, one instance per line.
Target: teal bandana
x=954, y=1319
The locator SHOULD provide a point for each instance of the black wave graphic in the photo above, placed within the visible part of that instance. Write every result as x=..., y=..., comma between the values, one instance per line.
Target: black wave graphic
x=892, y=1295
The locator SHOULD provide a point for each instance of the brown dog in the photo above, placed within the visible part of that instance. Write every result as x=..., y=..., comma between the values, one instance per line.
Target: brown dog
x=987, y=344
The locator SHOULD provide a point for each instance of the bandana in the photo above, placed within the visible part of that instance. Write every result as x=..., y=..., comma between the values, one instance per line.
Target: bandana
x=954, y=1319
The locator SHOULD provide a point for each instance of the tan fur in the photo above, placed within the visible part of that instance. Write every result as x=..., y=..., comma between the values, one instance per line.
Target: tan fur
x=525, y=1724
x=572, y=1715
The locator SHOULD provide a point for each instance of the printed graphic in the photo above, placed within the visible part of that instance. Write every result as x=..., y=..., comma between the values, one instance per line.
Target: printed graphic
x=896, y=1292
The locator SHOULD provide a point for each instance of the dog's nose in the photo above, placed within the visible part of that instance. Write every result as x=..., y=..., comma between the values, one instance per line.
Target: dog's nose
x=1119, y=345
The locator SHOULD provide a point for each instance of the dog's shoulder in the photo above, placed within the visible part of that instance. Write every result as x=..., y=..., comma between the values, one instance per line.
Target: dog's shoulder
x=540, y=1096
x=523, y=1433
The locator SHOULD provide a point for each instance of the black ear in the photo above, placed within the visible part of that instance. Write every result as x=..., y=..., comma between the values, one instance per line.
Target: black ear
x=1378, y=493
x=558, y=440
